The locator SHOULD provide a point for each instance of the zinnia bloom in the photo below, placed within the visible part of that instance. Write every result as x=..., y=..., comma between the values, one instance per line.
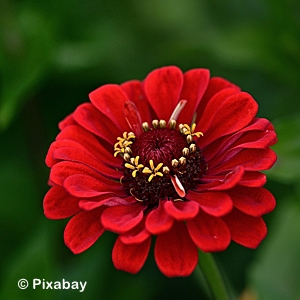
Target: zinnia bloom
x=177, y=156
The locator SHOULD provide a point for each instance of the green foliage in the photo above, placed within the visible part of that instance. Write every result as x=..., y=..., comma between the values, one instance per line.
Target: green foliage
x=276, y=273
x=24, y=58
x=287, y=167
x=53, y=53
x=32, y=261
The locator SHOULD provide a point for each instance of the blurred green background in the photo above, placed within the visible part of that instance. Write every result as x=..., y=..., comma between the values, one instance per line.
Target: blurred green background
x=53, y=53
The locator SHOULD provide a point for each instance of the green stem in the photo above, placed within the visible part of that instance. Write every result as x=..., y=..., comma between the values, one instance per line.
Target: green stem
x=213, y=276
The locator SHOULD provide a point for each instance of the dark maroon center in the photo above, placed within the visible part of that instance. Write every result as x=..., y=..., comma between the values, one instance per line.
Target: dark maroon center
x=160, y=145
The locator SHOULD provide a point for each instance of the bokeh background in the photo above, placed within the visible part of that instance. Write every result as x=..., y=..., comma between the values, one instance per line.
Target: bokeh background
x=53, y=53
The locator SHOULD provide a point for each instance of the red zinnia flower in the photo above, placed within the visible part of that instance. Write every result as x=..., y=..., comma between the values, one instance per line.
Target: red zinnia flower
x=128, y=163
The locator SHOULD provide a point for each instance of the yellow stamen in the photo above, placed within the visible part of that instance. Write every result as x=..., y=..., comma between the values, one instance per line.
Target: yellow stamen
x=129, y=166
x=187, y=130
x=146, y=170
x=123, y=144
x=158, y=167
x=134, y=165
x=151, y=164
x=153, y=170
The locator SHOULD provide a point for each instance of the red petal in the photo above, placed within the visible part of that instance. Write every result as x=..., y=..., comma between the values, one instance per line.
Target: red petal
x=230, y=180
x=133, y=118
x=67, y=121
x=70, y=150
x=182, y=210
x=121, y=219
x=50, y=160
x=110, y=99
x=253, y=179
x=252, y=201
x=92, y=203
x=215, y=85
x=175, y=253
x=245, y=230
x=135, y=236
x=136, y=94
x=215, y=182
x=210, y=234
x=248, y=140
x=90, y=118
x=101, y=200
x=84, y=186
x=194, y=86
x=83, y=230
x=178, y=186
x=76, y=155
x=58, y=204
x=60, y=171
x=226, y=114
x=90, y=142
x=255, y=139
x=214, y=203
x=162, y=87
x=249, y=159
x=130, y=258
x=158, y=221
x=220, y=146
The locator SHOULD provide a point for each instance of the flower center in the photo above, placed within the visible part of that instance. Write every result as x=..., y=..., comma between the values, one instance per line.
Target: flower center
x=162, y=163
x=161, y=145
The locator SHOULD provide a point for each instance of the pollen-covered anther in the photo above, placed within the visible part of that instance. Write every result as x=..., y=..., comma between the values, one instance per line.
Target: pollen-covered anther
x=182, y=160
x=130, y=135
x=174, y=163
x=172, y=124
x=162, y=124
x=128, y=150
x=153, y=171
x=189, y=138
x=134, y=165
x=126, y=157
x=155, y=124
x=185, y=151
x=193, y=148
x=145, y=126
x=166, y=170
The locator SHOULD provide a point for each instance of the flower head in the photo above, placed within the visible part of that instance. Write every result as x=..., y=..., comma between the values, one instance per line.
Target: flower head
x=177, y=156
